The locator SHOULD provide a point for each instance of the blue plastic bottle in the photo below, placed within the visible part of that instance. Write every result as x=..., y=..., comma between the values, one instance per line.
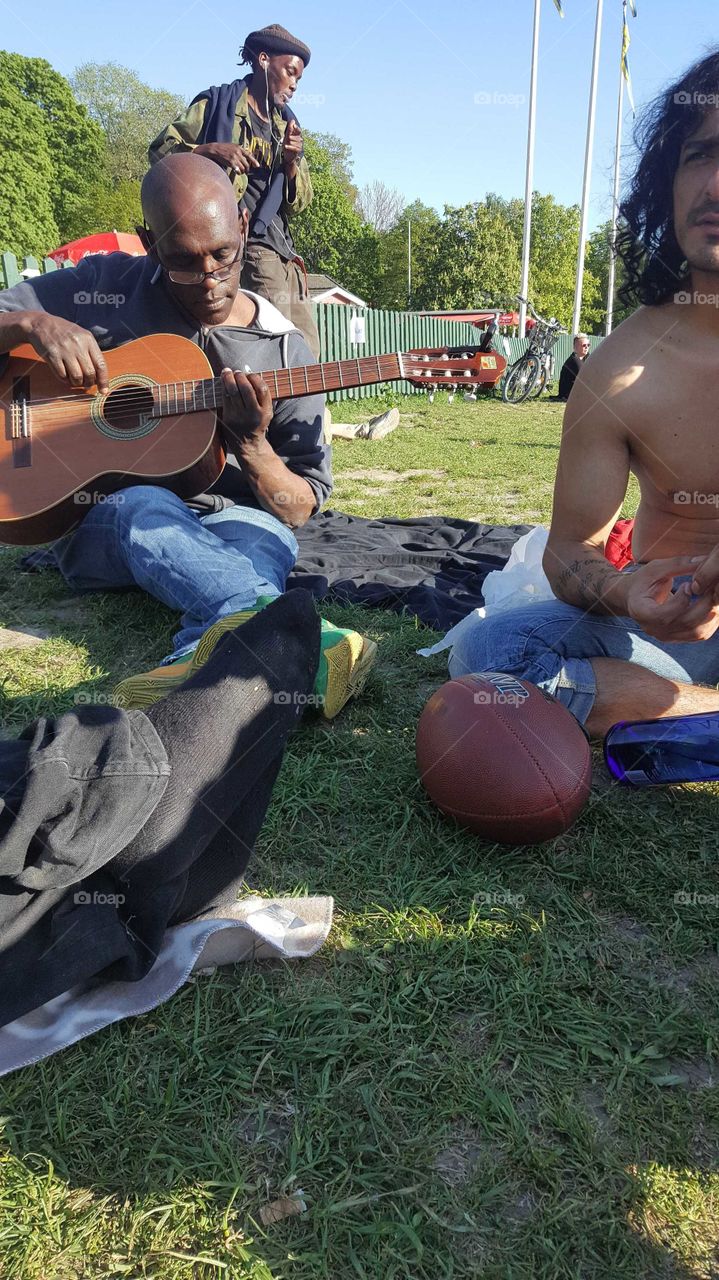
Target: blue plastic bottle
x=652, y=753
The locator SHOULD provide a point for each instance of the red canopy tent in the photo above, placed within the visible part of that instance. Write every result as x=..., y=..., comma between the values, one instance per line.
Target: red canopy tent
x=103, y=242
x=503, y=319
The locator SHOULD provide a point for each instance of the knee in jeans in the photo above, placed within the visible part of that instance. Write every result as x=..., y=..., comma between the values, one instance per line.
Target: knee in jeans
x=486, y=646
x=140, y=498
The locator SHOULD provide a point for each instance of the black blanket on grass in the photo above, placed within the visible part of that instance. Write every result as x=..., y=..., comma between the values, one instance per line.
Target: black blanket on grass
x=432, y=566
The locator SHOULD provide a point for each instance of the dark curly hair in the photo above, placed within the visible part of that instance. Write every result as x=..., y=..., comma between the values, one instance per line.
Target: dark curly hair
x=653, y=262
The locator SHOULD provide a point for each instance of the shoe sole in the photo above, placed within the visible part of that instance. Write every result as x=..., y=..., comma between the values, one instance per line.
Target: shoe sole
x=356, y=680
x=138, y=692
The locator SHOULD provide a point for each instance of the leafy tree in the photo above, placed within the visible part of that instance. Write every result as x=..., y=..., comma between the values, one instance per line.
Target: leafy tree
x=337, y=156
x=130, y=113
x=330, y=234
x=118, y=208
x=478, y=261
x=39, y=108
x=27, y=219
x=390, y=286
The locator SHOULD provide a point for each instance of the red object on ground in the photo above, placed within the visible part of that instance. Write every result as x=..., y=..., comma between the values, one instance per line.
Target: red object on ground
x=619, y=544
x=503, y=758
x=103, y=242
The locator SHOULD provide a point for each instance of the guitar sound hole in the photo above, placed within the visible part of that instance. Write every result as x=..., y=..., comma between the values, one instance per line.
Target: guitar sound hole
x=127, y=408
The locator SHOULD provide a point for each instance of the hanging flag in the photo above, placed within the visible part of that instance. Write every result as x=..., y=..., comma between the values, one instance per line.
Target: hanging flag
x=633, y=8
x=558, y=7
x=625, y=51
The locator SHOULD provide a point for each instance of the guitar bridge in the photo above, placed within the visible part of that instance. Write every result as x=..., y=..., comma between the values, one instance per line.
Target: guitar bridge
x=20, y=422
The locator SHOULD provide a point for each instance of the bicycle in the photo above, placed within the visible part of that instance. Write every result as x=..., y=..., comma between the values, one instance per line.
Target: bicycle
x=528, y=375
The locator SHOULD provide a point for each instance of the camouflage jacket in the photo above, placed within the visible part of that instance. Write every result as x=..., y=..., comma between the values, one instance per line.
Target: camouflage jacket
x=183, y=133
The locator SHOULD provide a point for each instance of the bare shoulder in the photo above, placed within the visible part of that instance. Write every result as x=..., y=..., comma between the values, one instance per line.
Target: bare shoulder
x=607, y=377
x=609, y=366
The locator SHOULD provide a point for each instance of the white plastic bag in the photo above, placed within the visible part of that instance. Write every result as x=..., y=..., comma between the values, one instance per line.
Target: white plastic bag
x=522, y=581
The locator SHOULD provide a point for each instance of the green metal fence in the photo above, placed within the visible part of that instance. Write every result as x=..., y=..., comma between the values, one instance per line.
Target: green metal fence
x=385, y=331
x=11, y=270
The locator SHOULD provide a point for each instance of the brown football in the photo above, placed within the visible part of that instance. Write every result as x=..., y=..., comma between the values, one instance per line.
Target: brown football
x=503, y=758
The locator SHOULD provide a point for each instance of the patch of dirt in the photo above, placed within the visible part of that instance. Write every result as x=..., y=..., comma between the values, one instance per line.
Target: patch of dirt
x=704, y=1148
x=387, y=477
x=592, y=1099
x=684, y=977
x=696, y=1073
x=521, y=1209
x=628, y=930
x=41, y=622
x=471, y=1033
x=22, y=637
x=268, y=1125
x=465, y=1151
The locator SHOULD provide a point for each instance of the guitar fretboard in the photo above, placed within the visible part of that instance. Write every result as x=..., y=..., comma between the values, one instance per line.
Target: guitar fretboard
x=303, y=380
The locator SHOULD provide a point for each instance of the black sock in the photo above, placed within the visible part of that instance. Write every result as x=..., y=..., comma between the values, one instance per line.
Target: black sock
x=217, y=878
x=224, y=731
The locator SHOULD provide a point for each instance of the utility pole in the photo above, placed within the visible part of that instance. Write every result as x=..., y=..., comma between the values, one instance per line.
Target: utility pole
x=576, y=317
x=529, y=179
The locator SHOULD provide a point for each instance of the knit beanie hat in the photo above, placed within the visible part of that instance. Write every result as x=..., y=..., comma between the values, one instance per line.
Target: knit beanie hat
x=274, y=39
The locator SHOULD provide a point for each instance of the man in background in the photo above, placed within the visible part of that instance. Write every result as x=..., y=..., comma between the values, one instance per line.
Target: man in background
x=572, y=365
x=247, y=128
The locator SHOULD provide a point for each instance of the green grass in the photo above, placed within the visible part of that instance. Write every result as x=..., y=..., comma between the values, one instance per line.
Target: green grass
x=519, y=1091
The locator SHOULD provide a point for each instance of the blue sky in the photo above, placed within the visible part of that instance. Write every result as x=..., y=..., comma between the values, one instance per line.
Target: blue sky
x=431, y=97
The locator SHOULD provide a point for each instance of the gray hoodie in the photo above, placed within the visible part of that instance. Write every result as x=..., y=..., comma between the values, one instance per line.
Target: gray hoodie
x=119, y=297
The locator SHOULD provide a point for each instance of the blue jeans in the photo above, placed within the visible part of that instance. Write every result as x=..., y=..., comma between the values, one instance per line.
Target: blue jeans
x=551, y=644
x=203, y=566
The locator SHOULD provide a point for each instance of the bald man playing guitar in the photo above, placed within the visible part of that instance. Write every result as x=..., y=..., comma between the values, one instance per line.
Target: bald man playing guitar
x=220, y=557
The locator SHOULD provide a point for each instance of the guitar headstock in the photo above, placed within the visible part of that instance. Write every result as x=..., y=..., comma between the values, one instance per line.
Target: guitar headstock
x=452, y=366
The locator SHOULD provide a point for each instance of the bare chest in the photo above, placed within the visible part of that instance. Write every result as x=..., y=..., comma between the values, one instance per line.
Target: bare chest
x=671, y=412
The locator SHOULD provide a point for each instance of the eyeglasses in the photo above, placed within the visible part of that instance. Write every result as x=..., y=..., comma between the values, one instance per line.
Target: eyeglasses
x=198, y=277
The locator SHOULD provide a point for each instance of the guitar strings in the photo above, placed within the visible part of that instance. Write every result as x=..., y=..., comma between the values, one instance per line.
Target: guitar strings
x=136, y=396
x=414, y=356
x=80, y=396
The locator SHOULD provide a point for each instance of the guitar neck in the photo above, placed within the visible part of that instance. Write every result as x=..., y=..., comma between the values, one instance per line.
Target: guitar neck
x=197, y=394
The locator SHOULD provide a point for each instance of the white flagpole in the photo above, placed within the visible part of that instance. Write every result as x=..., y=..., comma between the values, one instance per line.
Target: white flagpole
x=615, y=203
x=527, y=230
x=576, y=323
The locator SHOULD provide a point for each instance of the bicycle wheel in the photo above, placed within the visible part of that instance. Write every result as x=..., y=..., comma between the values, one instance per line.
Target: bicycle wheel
x=520, y=380
x=540, y=384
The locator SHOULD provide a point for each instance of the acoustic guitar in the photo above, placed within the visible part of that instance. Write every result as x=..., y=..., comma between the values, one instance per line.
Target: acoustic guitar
x=62, y=451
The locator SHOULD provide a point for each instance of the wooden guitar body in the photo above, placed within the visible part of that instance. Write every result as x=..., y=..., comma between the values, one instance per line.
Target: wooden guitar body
x=61, y=452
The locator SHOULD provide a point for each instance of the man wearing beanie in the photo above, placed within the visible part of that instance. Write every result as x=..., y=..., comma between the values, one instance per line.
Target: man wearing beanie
x=248, y=128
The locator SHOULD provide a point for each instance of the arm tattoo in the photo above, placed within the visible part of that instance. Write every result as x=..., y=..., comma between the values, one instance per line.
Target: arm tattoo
x=584, y=583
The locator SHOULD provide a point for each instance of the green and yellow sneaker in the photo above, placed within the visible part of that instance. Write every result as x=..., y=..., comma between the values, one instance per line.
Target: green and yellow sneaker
x=346, y=658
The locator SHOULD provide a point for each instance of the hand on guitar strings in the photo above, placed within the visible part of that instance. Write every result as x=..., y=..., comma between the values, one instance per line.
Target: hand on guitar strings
x=71, y=352
x=246, y=406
